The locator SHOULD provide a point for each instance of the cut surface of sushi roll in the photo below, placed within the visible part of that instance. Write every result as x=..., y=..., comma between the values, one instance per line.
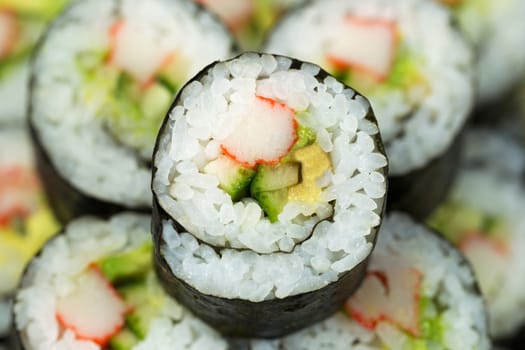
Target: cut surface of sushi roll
x=269, y=184
x=21, y=24
x=419, y=293
x=102, y=80
x=249, y=20
x=483, y=216
x=26, y=221
x=94, y=287
x=497, y=31
x=404, y=55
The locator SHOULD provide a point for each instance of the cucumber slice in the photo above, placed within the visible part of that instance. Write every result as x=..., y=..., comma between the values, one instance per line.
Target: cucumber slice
x=271, y=178
x=156, y=102
x=140, y=319
x=173, y=74
x=233, y=178
x=123, y=340
x=272, y=202
x=128, y=265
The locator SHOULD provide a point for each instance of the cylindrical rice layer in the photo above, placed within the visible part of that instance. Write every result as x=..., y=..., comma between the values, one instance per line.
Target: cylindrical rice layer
x=412, y=64
x=94, y=287
x=22, y=23
x=269, y=185
x=249, y=20
x=26, y=221
x=103, y=78
x=419, y=293
x=497, y=31
x=483, y=216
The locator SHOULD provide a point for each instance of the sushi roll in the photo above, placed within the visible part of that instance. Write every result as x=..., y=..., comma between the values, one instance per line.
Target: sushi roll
x=26, y=221
x=483, y=216
x=94, y=288
x=412, y=64
x=249, y=20
x=269, y=186
x=103, y=78
x=21, y=24
x=419, y=293
x=497, y=31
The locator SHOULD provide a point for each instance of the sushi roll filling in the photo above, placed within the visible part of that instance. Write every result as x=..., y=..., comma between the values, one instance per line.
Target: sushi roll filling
x=392, y=296
x=273, y=176
x=132, y=85
x=387, y=65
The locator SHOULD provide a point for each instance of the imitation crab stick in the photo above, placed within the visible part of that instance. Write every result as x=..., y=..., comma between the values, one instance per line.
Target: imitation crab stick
x=18, y=193
x=391, y=294
x=133, y=51
x=368, y=46
x=8, y=32
x=489, y=257
x=263, y=136
x=93, y=310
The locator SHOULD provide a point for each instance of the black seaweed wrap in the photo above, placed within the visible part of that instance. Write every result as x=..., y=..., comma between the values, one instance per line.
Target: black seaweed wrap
x=421, y=191
x=67, y=201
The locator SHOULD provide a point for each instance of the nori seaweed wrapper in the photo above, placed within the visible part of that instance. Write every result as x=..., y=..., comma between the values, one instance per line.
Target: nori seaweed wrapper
x=67, y=201
x=241, y=319
x=421, y=191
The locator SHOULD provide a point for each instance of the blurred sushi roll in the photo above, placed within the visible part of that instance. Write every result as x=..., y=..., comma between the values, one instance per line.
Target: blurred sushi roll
x=21, y=24
x=497, y=31
x=102, y=80
x=419, y=293
x=413, y=65
x=249, y=20
x=269, y=186
x=94, y=287
x=483, y=216
x=26, y=221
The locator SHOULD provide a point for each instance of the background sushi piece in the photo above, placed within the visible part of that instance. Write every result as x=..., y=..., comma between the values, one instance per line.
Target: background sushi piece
x=95, y=288
x=249, y=20
x=496, y=29
x=417, y=75
x=103, y=96
x=26, y=221
x=21, y=23
x=419, y=293
x=237, y=265
x=483, y=216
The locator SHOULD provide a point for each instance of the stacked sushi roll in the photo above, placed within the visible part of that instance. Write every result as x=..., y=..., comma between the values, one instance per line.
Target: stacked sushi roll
x=419, y=293
x=415, y=68
x=483, y=216
x=269, y=185
x=26, y=221
x=94, y=287
x=21, y=24
x=102, y=80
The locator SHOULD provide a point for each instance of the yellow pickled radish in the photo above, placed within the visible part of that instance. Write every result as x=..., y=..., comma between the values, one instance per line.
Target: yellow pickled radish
x=314, y=163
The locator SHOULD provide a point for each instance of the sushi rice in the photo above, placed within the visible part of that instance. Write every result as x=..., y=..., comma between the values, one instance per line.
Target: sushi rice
x=417, y=73
x=451, y=311
x=102, y=81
